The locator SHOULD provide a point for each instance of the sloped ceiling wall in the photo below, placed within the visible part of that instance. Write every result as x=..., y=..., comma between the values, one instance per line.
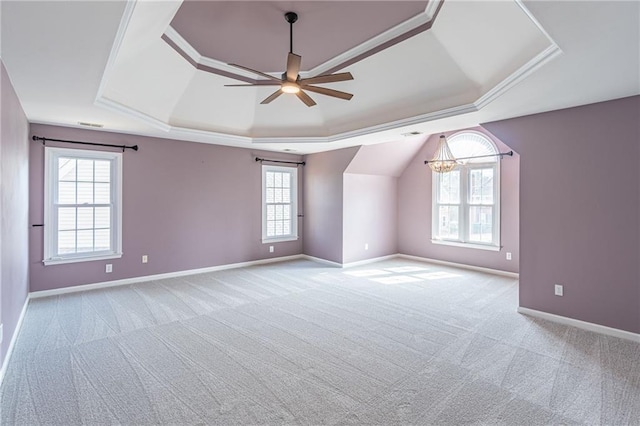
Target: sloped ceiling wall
x=386, y=159
x=350, y=200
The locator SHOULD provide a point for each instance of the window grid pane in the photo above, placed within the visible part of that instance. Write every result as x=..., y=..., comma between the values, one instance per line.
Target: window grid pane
x=481, y=224
x=83, y=207
x=449, y=188
x=481, y=186
x=278, y=204
x=448, y=222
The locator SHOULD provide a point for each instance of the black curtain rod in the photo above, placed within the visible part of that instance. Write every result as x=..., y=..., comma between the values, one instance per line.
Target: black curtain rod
x=299, y=163
x=122, y=147
x=500, y=154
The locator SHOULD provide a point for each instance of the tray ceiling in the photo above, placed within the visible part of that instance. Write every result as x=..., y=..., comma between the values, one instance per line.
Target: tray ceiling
x=420, y=71
x=452, y=65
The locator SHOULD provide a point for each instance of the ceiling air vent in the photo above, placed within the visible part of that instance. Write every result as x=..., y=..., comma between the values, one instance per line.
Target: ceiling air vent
x=414, y=133
x=84, y=123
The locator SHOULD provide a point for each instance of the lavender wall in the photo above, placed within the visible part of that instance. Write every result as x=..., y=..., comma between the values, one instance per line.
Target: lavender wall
x=323, y=203
x=14, y=204
x=185, y=205
x=370, y=213
x=370, y=217
x=580, y=210
x=415, y=213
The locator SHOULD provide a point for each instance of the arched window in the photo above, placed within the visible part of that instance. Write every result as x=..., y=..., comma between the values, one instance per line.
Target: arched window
x=466, y=201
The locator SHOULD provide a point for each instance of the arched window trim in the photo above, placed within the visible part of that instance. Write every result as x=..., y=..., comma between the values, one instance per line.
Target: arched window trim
x=464, y=170
x=454, y=139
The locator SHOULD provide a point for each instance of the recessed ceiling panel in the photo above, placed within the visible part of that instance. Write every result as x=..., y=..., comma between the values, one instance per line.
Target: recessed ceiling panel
x=471, y=54
x=255, y=33
x=490, y=48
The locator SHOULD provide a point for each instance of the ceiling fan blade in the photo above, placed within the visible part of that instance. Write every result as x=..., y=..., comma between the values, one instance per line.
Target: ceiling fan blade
x=266, y=83
x=293, y=66
x=270, y=77
x=329, y=92
x=328, y=78
x=272, y=97
x=305, y=98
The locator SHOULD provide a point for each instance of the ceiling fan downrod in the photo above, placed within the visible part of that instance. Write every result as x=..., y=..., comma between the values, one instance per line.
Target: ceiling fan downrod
x=291, y=18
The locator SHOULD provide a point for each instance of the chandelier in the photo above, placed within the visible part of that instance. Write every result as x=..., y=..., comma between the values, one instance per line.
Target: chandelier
x=443, y=160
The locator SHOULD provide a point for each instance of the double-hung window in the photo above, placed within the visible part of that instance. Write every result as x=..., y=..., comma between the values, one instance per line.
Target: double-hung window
x=83, y=209
x=466, y=201
x=279, y=203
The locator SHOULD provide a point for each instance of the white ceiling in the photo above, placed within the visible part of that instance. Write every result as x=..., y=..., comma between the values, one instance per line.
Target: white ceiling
x=91, y=61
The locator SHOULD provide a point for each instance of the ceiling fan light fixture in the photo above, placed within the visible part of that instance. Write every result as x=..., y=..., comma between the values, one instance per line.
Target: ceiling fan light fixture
x=289, y=87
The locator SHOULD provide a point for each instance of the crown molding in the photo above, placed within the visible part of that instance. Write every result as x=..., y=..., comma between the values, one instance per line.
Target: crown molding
x=131, y=112
x=370, y=46
x=432, y=8
x=523, y=72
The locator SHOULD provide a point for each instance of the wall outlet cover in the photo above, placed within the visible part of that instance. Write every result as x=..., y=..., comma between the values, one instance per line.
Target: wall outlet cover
x=559, y=290
x=109, y=268
x=145, y=258
x=270, y=249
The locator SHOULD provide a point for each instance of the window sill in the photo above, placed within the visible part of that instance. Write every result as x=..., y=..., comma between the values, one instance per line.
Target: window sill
x=61, y=261
x=278, y=240
x=466, y=245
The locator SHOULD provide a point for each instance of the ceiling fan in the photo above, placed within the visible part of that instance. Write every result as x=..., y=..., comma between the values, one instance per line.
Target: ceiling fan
x=291, y=81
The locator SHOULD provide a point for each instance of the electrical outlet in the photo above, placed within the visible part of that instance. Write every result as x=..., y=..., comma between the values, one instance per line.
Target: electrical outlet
x=366, y=246
x=109, y=268
x=559, y=290
x=270, y=249
x=145, y=258
x=508, y=255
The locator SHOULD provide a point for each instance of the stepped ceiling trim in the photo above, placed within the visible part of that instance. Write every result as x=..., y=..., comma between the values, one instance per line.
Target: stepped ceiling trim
x=391, y=37
x=409, y=28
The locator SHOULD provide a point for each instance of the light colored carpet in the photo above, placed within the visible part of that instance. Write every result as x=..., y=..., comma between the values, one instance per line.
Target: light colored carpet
x=396, y=342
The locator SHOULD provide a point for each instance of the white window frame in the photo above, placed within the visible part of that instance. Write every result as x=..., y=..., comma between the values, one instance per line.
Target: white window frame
x=293, y=235
x=464, y=206
x=51, y=257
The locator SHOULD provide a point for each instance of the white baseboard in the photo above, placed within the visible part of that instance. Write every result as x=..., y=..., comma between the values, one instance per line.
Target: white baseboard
x=348, y=265
x=321, y=260
x=134, y=280
x=514, y=275
x=7, y=356
x=367, y=261
x=589, y=326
